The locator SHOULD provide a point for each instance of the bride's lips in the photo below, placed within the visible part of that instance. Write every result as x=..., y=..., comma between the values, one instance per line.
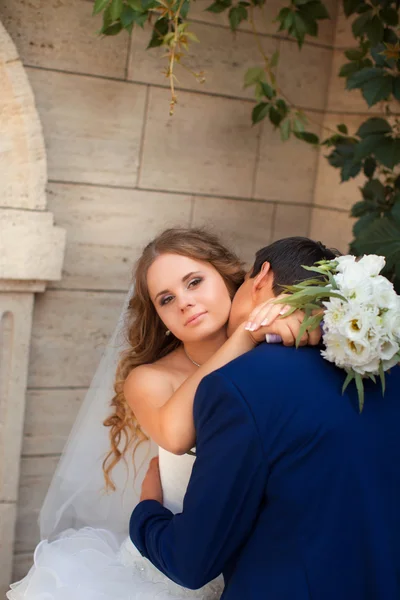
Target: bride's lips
x=194, y=318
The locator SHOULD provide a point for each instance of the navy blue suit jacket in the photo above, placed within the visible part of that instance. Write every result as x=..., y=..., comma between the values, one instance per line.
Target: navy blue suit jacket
x=294, y=495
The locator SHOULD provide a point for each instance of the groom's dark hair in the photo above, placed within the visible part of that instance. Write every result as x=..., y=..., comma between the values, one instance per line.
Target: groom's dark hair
x=286, y=257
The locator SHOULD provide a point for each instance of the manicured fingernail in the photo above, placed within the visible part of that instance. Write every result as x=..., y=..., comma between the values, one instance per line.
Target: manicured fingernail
x=248, y=326
x=265, y=322
x=284, y=311
x=272, y=338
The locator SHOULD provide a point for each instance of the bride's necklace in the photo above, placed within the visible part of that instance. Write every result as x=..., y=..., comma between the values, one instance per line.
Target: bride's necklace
x=191, y=359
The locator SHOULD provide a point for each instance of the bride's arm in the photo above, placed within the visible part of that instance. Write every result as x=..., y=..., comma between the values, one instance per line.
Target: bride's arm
x=167, y=416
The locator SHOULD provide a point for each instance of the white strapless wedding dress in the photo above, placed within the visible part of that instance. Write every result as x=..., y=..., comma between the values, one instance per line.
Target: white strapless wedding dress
x=91, y=564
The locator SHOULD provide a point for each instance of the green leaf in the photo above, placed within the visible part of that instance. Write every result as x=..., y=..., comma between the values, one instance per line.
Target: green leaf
x=315, y=10
x=260, y=111
x=355, y=53
x=113, y=29
x=116, y=9
x=308, y=137
x=374, y=190
x=388, y=152
x=298, y=125
x=396, y=87
x=374, y=125
x=364, y=207
x=274, y=59
x=343, y=128
x=381, y=237
x=99, y=5
x=390, y=16
x=282, y=107
x=268, y=91
x=360, y=390
x=285, y=129
x=364, y=222
x=237, y=14
x=349, y=378
x=350, y=7
x=275, y=116
x=369, y=166
x=253, y=76
x=367, y=146
x=374, y=30
x=219, y=6
x=362, y=77
x=382, y=377
x=350, y=170
x=358, y=26
x=348, y=69
x=160, y=29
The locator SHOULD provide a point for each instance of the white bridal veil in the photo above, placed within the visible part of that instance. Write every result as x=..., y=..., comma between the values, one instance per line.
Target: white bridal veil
x=76, y=496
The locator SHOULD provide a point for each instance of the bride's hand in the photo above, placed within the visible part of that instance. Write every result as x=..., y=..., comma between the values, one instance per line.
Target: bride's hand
x=266, y=313
x=264, y=320
x=151, y=486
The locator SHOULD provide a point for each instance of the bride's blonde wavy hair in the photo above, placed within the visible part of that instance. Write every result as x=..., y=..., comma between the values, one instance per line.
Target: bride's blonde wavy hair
x=146, y=334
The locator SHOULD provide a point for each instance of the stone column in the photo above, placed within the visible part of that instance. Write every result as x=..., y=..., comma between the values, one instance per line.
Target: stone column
x=31, y=253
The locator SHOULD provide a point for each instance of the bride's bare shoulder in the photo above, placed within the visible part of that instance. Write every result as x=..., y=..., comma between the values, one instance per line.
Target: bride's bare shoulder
x=156, y=381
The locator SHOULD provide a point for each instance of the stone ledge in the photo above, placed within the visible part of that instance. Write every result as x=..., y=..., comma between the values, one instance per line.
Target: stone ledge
x=30, y=246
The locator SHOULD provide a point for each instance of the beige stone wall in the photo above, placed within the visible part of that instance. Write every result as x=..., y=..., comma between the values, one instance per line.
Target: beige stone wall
x=330, y=220
x=120, y=170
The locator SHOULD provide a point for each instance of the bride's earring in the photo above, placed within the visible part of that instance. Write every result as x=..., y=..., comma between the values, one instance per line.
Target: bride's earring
x=168, y=332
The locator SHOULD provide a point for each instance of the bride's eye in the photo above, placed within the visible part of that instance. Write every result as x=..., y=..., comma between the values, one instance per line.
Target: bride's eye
x=195, y=282
x=166, y=300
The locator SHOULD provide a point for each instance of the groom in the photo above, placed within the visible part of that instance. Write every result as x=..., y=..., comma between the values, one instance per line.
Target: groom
x=294, y=495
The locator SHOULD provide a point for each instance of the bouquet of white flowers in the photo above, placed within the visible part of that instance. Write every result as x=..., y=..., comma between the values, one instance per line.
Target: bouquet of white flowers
x=360, y=314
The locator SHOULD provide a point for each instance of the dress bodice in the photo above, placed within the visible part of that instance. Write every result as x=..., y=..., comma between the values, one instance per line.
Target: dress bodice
x=175, y=473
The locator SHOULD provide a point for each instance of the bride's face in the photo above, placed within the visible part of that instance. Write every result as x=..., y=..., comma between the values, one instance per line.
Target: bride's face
x=190, y=296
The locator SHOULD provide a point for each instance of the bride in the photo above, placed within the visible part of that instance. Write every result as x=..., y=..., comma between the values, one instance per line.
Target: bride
x=172, y=332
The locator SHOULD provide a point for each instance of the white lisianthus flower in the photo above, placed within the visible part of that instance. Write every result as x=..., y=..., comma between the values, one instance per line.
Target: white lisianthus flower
x=389, y=349
x=335, y=350
x=344, y=261
x=372, y=264
x=354, y=283
x=336, y=311
x=391, y=323
x=383, y=293
x=388, y=364
x=356, y=324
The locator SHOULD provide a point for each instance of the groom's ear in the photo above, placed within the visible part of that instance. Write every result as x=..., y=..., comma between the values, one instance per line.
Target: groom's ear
x=263, y=283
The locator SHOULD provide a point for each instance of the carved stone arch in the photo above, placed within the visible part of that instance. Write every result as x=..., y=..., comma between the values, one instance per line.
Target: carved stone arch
x=31, y=253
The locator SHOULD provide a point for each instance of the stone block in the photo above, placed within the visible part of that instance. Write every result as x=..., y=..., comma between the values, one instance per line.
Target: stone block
x=243, y=226
x=49, y=417
x=222, y=56
x=330, y=192
x=286, y=170
x=22, y=153
x=208, y=146
x=22, y=564
x=304, y=74
x=7, y=524
x=61, y=34
x=344, y=36
x=92, y=127
x=291, y=220
x=107, y=230
x=332, y=227
x=15, y=330
x=30, y=246
x=36, y=475
x=70, y=331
